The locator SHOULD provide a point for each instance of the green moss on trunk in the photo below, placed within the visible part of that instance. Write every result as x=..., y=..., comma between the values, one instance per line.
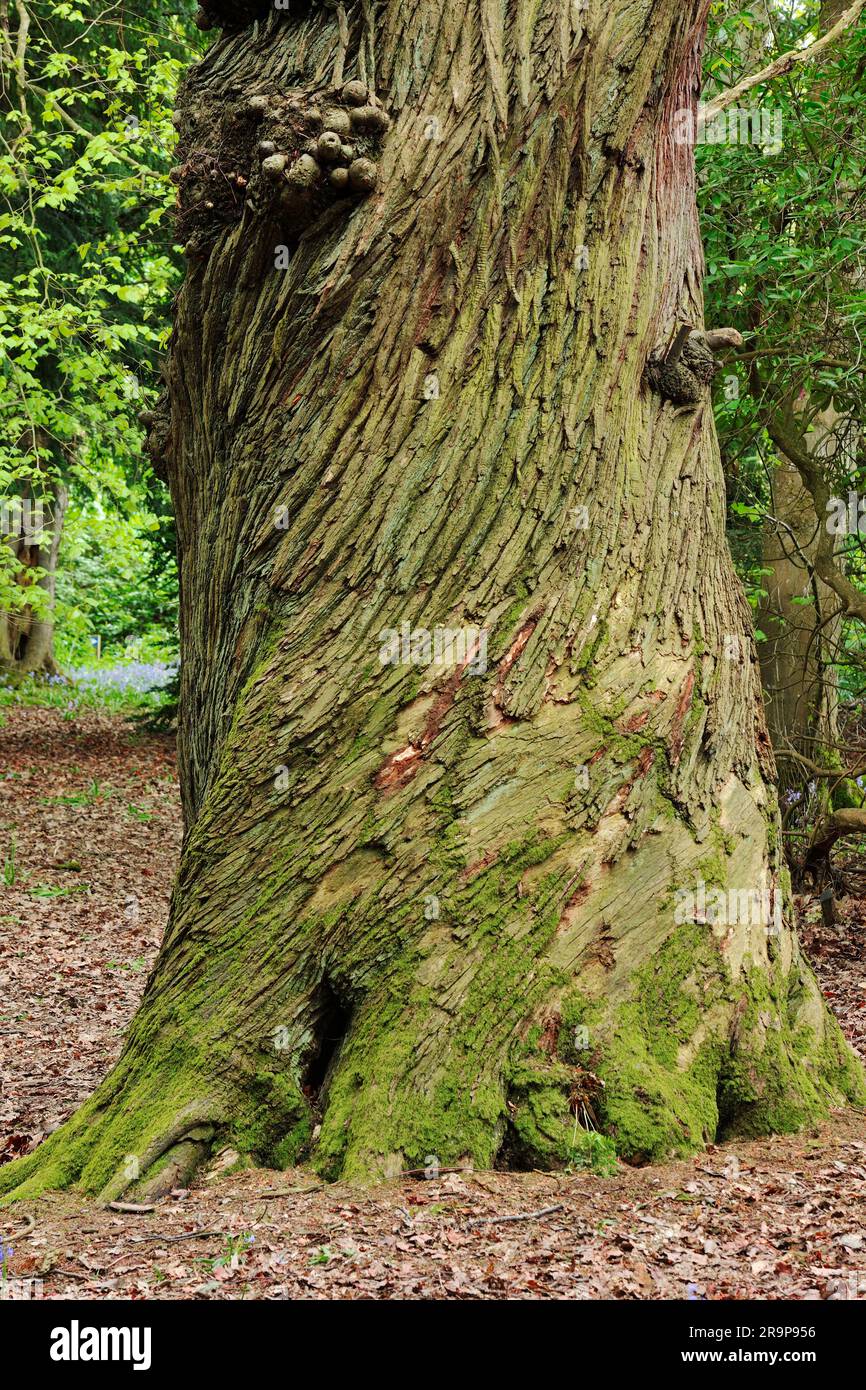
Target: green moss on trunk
x=404, y=886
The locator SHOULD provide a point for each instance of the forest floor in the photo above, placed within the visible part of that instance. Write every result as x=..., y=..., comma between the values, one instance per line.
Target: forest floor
x=89, y=837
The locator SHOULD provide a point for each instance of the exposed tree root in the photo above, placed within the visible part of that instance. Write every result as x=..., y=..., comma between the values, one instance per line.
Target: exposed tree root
x=169, y=1161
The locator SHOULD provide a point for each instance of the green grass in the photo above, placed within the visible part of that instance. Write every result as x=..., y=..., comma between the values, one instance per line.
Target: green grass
x=47, y=890
x=93, y=793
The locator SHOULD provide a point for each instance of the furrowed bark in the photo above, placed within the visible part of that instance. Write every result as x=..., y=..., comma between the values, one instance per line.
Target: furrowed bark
x=430, y=912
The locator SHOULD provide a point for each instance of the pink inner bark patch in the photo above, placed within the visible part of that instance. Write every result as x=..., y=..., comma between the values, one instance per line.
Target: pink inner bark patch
x=497, y=714
x=399, y=768
x=643, y=763
x=677, y=735
x=473, y=870
x=551, y=1024
x=634, y=723
x=517, y=647
x=572, y=907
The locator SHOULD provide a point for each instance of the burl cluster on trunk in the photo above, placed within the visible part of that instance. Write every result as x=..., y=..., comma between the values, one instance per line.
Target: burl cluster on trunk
x=281, y=157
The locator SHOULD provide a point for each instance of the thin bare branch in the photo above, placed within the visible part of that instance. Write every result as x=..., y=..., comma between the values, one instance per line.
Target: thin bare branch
x=785, y=62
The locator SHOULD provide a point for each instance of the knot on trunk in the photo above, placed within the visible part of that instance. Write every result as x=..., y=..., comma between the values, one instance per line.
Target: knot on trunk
x=316, y=149
x=685, y=370
x=157, y=444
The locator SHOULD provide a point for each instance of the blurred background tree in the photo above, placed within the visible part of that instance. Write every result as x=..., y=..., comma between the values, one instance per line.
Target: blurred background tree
x=785, y=237
x=87, y=271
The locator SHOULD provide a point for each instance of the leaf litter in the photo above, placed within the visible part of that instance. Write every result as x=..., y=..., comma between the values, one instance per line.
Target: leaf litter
x=89, y=838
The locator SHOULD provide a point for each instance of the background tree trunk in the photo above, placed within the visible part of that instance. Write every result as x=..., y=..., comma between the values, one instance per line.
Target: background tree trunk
x=424, y=910
x=801, y=618
x=27, y=633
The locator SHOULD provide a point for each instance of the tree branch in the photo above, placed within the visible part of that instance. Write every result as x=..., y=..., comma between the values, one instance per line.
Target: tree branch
x=785, y=62
x=847, y=822
x=73, y=125
x=853, y=601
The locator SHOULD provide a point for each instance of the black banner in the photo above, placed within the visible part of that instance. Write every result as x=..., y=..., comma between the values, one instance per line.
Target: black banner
x=59, y=1340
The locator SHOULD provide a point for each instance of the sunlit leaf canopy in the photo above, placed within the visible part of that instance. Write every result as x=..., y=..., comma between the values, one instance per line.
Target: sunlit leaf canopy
x=87, y=272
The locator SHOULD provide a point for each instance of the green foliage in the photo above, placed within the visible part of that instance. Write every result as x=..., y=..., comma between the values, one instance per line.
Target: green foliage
x=75, y=696
x=593, y=1152
x=87, y=268
x=784, y=231
x=784, y=227
x=118, y=582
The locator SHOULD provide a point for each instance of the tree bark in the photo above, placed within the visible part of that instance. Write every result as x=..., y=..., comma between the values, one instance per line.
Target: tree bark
x=27, y=633
x=432, y=910
x=801, y=619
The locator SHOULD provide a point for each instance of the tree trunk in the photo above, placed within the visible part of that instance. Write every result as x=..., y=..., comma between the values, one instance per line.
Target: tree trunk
x=431, y=912
x=27, y=633
x=801, y=619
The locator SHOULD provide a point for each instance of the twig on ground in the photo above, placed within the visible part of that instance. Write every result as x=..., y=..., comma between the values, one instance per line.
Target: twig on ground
x=25, y=1230
x=269, y=1193
x=186, y=1235
x=518, y=1216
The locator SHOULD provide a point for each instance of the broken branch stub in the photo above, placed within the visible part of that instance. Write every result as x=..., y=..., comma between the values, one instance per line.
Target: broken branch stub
x=683, y=373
